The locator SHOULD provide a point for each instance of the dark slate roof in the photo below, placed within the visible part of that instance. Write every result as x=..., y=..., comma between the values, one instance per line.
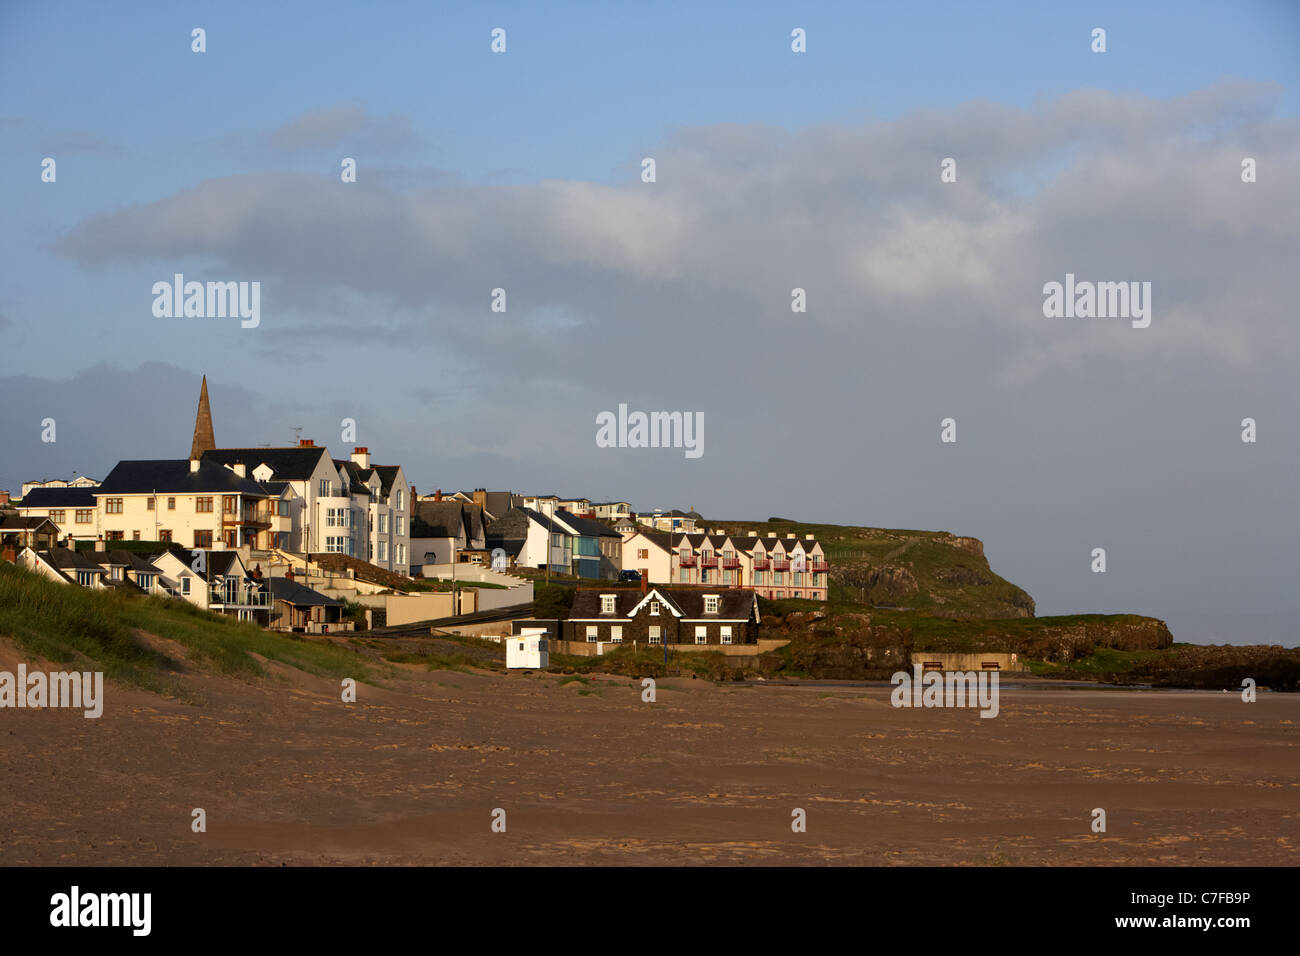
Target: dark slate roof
x=60, y=498
x=297, y=594
x=586, y=526
x=387, y=475
x=445, y=519
x=356, y=476
x=514, y=524
x=65, y=559
x=17, y=523
x=120, y=558
x=734, y=604
x=288, y=464
x=274, y=487
x=173, y=476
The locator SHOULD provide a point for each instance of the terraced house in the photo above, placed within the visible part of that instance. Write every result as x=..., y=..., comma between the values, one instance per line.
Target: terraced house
x=772, y=566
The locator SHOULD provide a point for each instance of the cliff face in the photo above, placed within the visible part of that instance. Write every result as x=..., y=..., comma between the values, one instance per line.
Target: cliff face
x=834, y=647
x=1067, y=642
x=933, y=572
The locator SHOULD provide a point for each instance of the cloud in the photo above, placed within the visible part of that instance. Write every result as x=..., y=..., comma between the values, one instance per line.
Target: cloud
x=924, y=301
x=344, y=125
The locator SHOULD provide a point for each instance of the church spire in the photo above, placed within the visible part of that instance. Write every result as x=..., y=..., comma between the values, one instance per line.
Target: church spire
x=203, y=437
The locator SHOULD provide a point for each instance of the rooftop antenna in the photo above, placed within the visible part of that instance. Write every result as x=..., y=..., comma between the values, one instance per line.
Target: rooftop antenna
x=297, y=433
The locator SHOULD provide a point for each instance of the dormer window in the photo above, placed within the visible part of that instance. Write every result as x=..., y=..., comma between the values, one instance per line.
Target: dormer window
x=710, y=604
x=654, y=608
x=607, y=603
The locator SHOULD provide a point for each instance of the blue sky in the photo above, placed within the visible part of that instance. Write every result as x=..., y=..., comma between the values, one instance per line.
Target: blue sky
x=522, y=170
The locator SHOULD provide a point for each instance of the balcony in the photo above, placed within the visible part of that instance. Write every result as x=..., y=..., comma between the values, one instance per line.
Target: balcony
x=240, y=599
x=686, y=560
x=818, y=566
x=709, y=561
x=730, y=564
x=780, y=564
x=760, y=564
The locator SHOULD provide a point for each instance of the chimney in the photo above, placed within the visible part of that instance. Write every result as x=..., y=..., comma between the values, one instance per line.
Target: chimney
x=240, y=469
x=306, y=443
x=437, y=495
x=644, y=584
x=257, y=572
x=480, y=497
x=808, y=537
x=99, y=543
x=361, y=456
x=194, y=465
x=288, y=575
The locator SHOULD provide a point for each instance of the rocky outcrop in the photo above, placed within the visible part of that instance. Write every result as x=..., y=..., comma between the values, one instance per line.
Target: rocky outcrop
x=848, y=647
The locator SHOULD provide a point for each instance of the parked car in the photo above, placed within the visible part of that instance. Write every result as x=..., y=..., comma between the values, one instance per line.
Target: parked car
x=633, y=576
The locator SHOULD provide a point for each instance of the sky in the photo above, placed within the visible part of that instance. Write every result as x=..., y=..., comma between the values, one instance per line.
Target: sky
x=774, y=170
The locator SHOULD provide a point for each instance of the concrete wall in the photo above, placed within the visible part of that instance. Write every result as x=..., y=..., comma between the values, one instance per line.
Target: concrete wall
x=968, y=662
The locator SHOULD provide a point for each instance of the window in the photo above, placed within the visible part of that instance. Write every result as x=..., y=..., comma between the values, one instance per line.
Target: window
x=685, y=575
x=701, y=634
x=383, y=523
x=171, y=504
x=229, y=504
x=401, y=555
x=592, y=631
x=185, y=585
x=324, y=490
x=616, y=633
x=135, y=535
x=726, y=633
x=203, y=505
x=607, y=603
x=643, y=554
x=704, y=575
x=85, y=516
x=282, y=540
x=780, y=577
x=654, y=634
x=229, y=538
x=710, y=604
x=85, y=578
x=283, y=508
x=726, y=577
x=334, y=544
x=165, y=535
x=654, y=608
x=203, y=539
x=113, y=506
x=116, y=535
x=150, y=503
x=383, y=550
x=58, y=516
x=401, y=500
x=398, y=525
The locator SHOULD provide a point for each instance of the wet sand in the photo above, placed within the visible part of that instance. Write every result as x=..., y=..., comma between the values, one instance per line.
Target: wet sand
x=588, y=773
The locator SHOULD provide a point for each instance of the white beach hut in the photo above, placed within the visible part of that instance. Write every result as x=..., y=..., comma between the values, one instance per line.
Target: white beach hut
x=529, y=648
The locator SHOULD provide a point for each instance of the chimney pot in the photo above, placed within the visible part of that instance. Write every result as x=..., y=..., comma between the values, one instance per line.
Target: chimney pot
x=306, y=443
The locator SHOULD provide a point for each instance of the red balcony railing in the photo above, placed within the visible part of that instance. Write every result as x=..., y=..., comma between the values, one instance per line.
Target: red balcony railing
x=760, y=564
x=708, y=562
x=817, y=566
x=780, y=564
x=687, y=561
x=731, y=563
